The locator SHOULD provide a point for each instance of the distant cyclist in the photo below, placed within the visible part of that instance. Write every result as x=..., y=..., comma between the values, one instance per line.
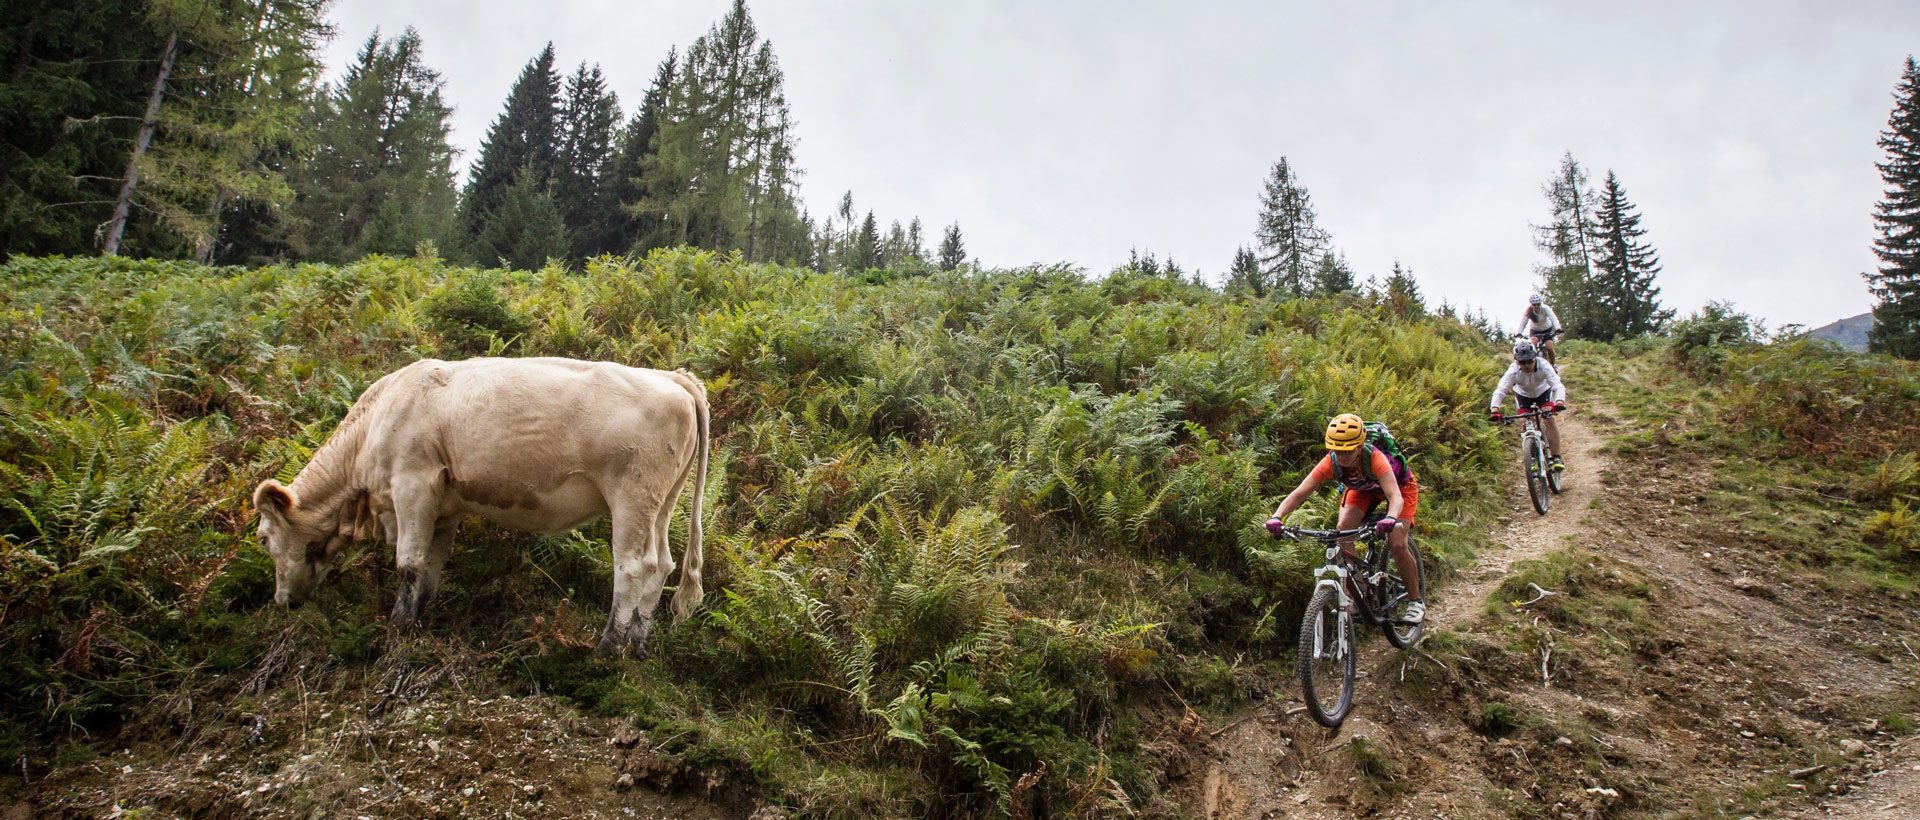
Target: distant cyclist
x=1535, y=386
x=1370, y=476
x=1540, y=324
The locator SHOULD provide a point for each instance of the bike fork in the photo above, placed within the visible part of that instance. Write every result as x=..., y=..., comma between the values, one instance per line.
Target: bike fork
x=1342, y=624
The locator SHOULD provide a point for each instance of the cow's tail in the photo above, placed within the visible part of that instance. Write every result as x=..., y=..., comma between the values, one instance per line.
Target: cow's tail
x=686, y=597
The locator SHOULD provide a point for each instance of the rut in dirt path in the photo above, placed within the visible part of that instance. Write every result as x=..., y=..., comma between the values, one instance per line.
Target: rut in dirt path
x=1529, y=535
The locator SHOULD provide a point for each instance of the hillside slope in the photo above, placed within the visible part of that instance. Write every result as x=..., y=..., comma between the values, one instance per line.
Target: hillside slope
x=981, y=543
x=1712, y=627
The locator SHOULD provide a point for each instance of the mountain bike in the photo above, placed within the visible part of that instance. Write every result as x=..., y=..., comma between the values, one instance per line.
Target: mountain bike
x=1544, y=341
x=1351, y=586
x=1542, y=480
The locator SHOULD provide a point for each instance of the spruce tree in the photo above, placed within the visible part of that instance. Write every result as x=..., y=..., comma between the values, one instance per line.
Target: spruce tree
x=1332, y=275
x=581, y=186
x=524, y=230
x=1245, y=276
x=524, y=139
x=1896, y=218
x=1567, y=280
x=77, y=75
x=953, y=253
x=638, y=221
x=865, y=250
x=1626, y=300
x=1401, y=292
x=1290, y=241
x=380, y=179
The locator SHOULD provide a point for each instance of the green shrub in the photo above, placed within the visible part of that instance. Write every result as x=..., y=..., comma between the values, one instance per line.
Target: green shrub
x=472, y=316
x=1700, y=342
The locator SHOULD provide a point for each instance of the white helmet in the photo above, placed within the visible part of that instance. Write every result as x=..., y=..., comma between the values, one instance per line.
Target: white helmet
x=1534, y=299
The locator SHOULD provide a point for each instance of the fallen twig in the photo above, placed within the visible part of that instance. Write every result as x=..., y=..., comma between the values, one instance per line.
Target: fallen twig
x=1802, y=774
x=1223, y=730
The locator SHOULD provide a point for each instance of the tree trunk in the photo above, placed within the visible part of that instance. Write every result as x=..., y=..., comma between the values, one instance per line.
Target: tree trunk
x=117, y=226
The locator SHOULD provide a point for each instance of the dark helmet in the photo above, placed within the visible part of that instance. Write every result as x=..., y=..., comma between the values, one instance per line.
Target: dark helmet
x=1523, y=352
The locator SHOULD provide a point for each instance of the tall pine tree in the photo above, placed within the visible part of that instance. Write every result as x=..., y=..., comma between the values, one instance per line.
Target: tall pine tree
x=1289, y=239
x=582, y=169
x=1896, y=318
x=523, y=141
x=380, y=179
x=1627, y=302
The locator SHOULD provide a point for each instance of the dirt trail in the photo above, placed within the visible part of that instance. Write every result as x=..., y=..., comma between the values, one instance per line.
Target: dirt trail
x=1529, y=535
x=1270, y=764
x=1743, y=668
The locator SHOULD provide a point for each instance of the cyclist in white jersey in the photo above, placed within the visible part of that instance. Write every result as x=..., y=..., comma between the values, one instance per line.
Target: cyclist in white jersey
x=1535, y=386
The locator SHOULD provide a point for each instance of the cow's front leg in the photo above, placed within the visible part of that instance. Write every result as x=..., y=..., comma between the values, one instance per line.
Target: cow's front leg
x=641, y=565
x=415, y=504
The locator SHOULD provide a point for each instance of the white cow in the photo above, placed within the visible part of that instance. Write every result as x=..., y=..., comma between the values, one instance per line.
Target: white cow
x=544, y=445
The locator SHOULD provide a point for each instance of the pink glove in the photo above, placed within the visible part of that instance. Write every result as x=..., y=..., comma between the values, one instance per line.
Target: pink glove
x=1275, y=526
x=1385, y=525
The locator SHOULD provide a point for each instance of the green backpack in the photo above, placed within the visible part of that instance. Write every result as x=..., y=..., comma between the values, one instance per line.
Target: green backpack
x=1380, y=438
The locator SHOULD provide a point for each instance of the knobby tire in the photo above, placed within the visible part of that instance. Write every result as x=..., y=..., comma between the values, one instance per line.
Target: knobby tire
x=1323, y=615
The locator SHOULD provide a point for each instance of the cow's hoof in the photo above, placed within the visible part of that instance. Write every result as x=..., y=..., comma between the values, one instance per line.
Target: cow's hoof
x=629, y=639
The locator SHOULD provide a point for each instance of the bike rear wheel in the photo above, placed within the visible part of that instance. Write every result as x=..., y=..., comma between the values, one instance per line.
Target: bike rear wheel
x=1402, y=636
x=1327, y=659
x=1535, y=462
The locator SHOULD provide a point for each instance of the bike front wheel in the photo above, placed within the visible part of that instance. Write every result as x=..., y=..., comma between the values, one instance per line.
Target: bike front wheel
x=1535, y=461
x=1402, y=635
x=1327, y=659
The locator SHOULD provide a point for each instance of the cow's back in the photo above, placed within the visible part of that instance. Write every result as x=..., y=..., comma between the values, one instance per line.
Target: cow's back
x=507, y=432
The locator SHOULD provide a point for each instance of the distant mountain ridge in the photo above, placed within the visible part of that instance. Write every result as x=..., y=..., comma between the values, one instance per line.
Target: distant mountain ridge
x=1850, y=333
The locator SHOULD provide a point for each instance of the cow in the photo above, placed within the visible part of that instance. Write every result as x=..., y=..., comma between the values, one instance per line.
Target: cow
x=539, y=444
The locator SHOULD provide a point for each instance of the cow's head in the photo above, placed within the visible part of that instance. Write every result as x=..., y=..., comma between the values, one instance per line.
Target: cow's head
x=302, y=542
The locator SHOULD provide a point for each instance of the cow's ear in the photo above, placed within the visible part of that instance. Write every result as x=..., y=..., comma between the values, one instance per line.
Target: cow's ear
x=273, y=500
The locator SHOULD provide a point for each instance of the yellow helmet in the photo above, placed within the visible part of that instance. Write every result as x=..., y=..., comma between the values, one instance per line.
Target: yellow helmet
x=1346, y=432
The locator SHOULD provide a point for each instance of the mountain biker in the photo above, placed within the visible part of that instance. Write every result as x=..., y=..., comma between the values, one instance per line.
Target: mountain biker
x=1369, y=476
x=1540, y=324
x=1536, y=386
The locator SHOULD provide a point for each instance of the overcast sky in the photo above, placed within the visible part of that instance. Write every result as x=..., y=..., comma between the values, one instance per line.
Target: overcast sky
x=1075, y=131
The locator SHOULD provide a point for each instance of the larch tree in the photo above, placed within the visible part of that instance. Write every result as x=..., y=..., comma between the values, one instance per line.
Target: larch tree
x=380, y=178
x=1567, y=278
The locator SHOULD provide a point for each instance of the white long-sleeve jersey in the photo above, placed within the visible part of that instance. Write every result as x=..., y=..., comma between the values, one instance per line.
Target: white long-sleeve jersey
x=1538, y=384
x=1538, y=318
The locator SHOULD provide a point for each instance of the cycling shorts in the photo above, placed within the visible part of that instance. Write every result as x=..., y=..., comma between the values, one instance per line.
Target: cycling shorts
x=1368, y=499
x=1532, y=402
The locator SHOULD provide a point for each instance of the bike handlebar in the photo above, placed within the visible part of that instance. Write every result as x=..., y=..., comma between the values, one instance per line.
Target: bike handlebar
x=1325, y=535
x=1509, y=419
